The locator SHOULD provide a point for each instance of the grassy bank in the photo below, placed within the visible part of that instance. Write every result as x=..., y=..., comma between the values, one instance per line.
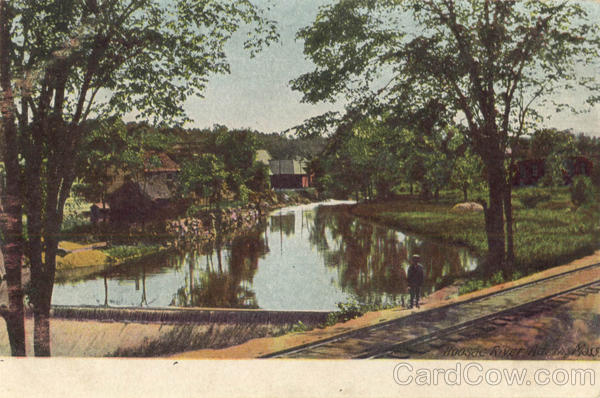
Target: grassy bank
x=548, y=233
x=113, y=255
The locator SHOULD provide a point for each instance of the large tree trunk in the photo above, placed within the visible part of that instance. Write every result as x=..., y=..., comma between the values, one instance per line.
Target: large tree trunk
x=494, y=218
x=12, y=251
x=41, y=336
x=510, y=248
x=10, y=220
x=41, y=332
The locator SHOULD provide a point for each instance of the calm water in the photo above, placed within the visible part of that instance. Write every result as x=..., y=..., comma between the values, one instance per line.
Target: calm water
x=301, y=258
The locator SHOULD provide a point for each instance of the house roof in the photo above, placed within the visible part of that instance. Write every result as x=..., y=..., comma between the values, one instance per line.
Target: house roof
x=297, y=167
x=165, y=163
x=153, y=189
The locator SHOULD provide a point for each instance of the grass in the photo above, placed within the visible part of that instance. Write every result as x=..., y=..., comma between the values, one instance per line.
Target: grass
x=430, y=219
x=128, y=252
x=70, y=246
x=549, y=234
x=94, y=258
x=88, y=258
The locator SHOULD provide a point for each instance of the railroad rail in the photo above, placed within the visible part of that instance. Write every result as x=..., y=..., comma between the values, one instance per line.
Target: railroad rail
x=415, y=333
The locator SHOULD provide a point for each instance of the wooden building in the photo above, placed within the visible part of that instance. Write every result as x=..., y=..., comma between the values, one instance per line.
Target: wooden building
x=289, y=174
x=138, y=197
x=530, y=171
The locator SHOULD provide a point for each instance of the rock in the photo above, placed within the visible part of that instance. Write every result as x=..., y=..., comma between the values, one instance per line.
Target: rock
x=467, y=207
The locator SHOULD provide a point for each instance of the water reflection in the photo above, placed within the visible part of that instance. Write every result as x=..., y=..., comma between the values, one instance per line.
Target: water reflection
x=284, y=223
x=372, y=260
x=226, y=285
x=298, y=259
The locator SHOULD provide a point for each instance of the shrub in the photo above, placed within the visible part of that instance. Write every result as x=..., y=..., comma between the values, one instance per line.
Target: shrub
x=497, y=278
x=516, y=275
x=473, y=285
x=123, y=252
x=243, y=193
x=582, y=190
x=299, y=327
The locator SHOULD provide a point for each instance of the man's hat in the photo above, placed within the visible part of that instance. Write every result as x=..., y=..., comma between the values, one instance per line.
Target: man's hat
x=416, y=257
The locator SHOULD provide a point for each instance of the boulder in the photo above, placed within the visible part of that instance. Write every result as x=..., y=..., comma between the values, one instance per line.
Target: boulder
x=467, y=207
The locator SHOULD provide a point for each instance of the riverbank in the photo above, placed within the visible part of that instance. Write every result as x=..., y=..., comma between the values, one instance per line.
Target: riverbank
x=77, y=259
x=547, y=235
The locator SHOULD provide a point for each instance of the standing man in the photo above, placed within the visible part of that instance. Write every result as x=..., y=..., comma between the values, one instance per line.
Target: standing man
x=415, y=277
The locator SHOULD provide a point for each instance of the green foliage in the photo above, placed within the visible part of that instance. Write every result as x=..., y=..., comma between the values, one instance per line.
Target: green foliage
x=111, y=148
x=126, y=252
x=582, y=190
x=467, y=172
x=373, y=158
x=516, y=275
x=497, y=278
x=556, y=147
x=243, y=193
x=352, y=310
x=237, y=148
x=204, y=176
x=259, y=180
x=473, y=285
x=222, y=165
x=299, y=327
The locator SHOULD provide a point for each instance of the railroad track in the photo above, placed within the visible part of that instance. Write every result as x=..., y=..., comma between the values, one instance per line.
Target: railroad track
x=417, y=333
x=482, y=325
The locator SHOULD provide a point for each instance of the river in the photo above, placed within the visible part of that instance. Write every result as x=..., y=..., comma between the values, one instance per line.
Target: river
x=308, y=257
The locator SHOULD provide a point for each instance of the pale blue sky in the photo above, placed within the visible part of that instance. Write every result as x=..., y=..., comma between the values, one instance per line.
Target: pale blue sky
x=257, y=94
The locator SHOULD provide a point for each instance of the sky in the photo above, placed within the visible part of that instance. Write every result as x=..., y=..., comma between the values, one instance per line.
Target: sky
x=257, y=94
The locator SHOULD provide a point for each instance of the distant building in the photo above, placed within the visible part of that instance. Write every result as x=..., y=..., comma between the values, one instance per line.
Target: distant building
x=137, y=197
x=530, y=171
x=289, y=174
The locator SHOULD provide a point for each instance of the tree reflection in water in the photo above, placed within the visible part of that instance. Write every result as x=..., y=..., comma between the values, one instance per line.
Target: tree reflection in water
x=227, y=283
x=372, y=260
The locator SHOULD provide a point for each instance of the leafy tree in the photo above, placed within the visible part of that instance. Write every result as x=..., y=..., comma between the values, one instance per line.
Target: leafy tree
x=556, y=147
x=238, y=150
x=467, y=173
x=582, y=190
x=204, y=176
x=467, y=168
x=491, y=64
x=71, y=60
x=100, y=159
x=259, y=180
